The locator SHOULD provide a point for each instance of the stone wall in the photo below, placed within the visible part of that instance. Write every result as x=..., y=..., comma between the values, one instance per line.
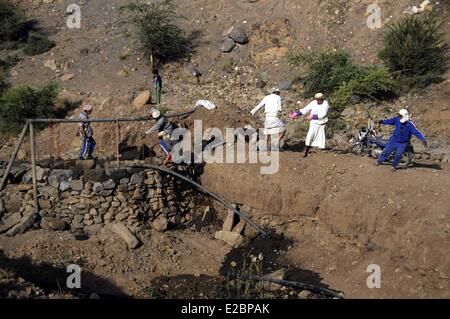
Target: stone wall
x=87, y=200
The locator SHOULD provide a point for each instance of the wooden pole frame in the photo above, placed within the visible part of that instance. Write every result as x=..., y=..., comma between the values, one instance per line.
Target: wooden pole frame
x=117, y=143
x=13, y=156
x=33, y=168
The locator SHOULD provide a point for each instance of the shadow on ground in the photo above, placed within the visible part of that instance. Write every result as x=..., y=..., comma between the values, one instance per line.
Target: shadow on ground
x=52, y=278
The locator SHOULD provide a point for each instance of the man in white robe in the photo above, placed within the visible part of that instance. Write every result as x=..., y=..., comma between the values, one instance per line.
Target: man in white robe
x=318, y=115
x=273, y=125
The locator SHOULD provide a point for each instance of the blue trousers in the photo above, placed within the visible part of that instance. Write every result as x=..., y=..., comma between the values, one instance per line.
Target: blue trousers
x=165, y=146
x=393, y=145
x=87, y=147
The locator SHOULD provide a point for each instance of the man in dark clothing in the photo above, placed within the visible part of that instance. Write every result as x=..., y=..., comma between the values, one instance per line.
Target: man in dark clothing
x=164, y=128
x=157, y=87
x=404, y=129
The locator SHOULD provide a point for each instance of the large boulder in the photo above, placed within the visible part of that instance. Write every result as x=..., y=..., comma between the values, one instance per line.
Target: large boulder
x=284, y=85
x=125, y=233
x=161, y=224
x=25, y=223
x=238, y=34
x=227, y=45
x=142, y=99
x=230, y=238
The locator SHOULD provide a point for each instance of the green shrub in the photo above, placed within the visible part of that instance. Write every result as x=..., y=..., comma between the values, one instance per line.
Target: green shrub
x=12, y=22
x=416, y=51
x=37, y=43
x=157, y=31
x=16, y=31
x=372, y=83
x=7, y=62
x=20, y=103
x=325, y=71
x=335, y=75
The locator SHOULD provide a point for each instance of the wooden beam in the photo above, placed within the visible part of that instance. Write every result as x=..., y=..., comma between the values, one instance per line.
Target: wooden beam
x=13, y=156
x=33, y=167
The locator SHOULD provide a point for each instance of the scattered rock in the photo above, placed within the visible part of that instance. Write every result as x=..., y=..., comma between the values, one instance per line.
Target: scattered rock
x=50, y=64
x=232, y=239
x=142, y=99
x=305, y=294
x=93, y=229
x=260, y=84
x=9, y=223
x=238, y=34
x=227, y=45
x=284, y=85
x=277, y=275
x=53, y=224
x=160, y=224
x=67, y=77
x=130, y=239
x=229, y=221
x=25, y=223
x=240, y=226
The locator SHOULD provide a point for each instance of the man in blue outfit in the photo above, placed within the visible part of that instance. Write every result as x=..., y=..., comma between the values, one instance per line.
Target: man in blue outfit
x=86, y=133
x=403, y=131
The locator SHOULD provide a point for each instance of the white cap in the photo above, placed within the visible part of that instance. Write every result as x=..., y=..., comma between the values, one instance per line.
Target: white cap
x=318, y=96
x=275, y=90
x=404, y=115
x=155, y=113
x=87, y=108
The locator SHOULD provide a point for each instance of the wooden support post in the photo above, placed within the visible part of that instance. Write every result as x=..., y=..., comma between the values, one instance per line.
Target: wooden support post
x=33, y=167
x=51, y=141
x=13, y=156
x=117, y=143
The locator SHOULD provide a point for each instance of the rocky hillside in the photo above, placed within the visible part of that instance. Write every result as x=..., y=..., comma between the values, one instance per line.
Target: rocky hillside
x=102, y=62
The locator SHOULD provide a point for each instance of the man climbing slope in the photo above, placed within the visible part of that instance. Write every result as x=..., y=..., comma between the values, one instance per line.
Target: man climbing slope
x=86, y=133
x=273, y=126
x=164, y=128
x=404, y=129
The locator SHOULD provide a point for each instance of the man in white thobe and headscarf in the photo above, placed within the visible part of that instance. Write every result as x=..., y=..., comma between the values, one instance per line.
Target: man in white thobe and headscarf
x=273, y=125
x=318, y=112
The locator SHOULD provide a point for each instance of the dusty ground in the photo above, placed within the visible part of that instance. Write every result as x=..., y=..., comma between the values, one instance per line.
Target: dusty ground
x=345, y=214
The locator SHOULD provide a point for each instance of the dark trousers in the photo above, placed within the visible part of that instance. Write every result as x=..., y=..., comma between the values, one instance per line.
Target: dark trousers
x=88, y=146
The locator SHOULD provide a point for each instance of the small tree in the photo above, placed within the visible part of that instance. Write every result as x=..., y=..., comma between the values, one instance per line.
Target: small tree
x=24, y=102
x=326, y=71
x=415, y=50
x=12, y=22
x=157, y=31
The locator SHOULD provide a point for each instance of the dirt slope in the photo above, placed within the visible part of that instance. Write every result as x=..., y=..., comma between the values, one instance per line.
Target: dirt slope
x=345, y=214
